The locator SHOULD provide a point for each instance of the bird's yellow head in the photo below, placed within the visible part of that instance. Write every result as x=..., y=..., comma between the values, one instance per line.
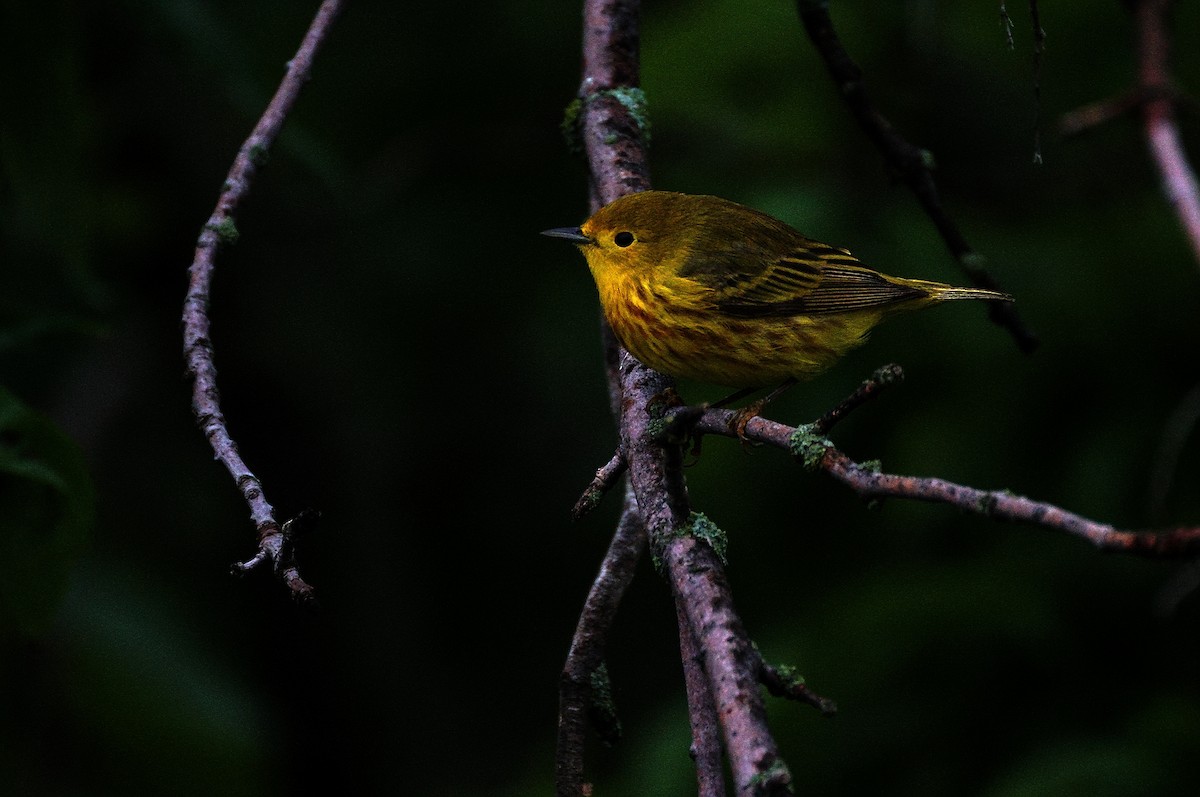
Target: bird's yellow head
x=646, y=234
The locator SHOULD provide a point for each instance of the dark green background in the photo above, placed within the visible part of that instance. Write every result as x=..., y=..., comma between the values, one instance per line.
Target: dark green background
x=399, y=349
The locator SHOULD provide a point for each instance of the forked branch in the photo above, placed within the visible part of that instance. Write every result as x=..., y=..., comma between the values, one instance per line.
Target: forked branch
x=1154, y=96
x=810, y=446
x=722, y=661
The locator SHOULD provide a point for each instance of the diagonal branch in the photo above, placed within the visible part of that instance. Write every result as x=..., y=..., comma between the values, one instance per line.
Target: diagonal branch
x=587, y=647
x=706, y=742
x=1158, y=117
x=912, y=163
x=275, y=543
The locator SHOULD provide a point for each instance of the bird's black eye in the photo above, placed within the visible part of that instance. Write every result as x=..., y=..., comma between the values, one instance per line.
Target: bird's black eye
x=623, y=239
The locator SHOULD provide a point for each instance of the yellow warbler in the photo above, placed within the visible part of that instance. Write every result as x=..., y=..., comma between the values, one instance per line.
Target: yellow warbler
x=702, y=288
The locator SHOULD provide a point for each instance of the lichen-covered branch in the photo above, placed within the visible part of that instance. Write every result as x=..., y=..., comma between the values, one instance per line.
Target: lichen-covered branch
x=809, y=445
x=275, y=543
x=611, y=126
x=1001, y=504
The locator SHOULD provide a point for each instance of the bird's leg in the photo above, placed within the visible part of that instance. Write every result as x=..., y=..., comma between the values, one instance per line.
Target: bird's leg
x=742, y=417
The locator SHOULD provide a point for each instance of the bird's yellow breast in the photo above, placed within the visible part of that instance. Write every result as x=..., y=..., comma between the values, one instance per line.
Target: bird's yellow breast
x=669, y=326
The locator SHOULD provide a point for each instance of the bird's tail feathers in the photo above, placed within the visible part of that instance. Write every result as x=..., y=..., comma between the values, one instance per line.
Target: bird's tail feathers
x=947, y=293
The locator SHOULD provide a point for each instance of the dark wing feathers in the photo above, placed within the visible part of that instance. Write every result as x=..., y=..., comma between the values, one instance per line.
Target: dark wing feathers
x=815, y=280
x=811, y=279
x=855, y=288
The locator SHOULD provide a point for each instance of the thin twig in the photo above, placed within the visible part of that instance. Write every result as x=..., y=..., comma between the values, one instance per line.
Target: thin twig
x=910, y=162
x=1039, y=50
x=1006, y=24
x=784, y=682
x=1001, y=504
x=1090, y=116
x=606, y=477
x=273, y=544
x=883, y=378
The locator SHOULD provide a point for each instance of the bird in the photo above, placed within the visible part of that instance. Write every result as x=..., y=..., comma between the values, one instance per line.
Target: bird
x=706, y=289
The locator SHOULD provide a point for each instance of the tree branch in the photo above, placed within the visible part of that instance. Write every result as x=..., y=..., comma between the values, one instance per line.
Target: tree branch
x=706, y=742
x=1158, y=117
x=910, y=162
x=275, y=543
x=1092, y=115
x=1155, y=97
x=613, y=129
x=587, y=647
x=808, y=444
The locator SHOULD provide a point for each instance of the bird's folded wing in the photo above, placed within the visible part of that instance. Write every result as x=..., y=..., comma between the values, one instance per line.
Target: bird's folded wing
x=820, y=280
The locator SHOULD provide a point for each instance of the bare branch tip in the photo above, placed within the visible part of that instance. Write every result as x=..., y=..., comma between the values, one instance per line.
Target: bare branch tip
x=278, y=545
x=242, y=568
x=606, y=476
x=785, y=681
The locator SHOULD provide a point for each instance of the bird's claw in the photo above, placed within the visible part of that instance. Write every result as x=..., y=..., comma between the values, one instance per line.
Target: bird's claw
x=741, y=417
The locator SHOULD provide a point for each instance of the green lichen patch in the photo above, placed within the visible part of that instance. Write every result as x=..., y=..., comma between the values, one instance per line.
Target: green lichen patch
x=226, y=230
x=700, y=527
x=602, y=711
x=634, y=100
x=258, y=154
x=771, y=779
x=572, y=119
x=808, y=445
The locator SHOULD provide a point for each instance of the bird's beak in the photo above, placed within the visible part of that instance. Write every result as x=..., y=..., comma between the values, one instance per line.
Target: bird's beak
x=573, y=234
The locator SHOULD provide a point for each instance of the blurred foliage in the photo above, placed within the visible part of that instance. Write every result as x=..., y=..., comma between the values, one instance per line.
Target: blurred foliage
x=46, y=508
x=400, y=350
